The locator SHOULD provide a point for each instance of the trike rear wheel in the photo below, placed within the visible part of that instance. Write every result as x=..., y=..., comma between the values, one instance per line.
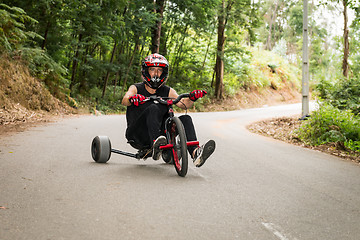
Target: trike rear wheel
x=179, y=151
x=101, y=149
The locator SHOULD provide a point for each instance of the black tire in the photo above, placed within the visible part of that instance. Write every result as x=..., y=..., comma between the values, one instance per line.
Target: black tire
x=167, y=156
x=179, y=152
x=101, y=149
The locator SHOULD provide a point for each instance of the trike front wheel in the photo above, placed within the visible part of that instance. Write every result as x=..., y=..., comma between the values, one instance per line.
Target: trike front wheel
x=179, y=151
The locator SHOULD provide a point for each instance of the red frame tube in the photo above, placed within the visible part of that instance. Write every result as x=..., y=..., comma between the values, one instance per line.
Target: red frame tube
x=170, y=146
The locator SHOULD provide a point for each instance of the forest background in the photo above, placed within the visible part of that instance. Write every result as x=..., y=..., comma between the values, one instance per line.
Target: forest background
x=88, y=52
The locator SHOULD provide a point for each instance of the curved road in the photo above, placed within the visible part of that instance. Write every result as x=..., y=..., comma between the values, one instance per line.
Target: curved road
x=252, y=187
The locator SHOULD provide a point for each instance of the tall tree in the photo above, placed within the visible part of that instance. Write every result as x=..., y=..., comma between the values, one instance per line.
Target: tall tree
x=345, y=65
x=223, y=15
x=232, y=14
x=346, y=4
x=273, y=16
x=159, y=6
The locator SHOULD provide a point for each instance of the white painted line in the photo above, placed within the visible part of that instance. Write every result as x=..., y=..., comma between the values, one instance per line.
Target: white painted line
x=276, y=230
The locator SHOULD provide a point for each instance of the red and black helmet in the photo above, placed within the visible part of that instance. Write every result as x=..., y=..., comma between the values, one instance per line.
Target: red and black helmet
x=155, y=60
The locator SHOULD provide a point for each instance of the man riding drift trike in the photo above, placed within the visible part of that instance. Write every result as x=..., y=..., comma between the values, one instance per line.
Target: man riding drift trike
x=145, y=119
x=152, y=127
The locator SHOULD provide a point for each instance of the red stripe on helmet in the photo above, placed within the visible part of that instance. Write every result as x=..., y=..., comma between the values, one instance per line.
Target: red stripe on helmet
x=155, y=64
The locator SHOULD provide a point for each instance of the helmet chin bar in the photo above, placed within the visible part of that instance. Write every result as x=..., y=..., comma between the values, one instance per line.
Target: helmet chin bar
x=155, y=79
x=155, y=83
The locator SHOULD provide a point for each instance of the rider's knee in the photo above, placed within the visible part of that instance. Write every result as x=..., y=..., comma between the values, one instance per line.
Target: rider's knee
x=185, y=119
x=157, y=108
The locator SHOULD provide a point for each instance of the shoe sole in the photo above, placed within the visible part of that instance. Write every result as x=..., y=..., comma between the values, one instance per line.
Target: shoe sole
x=156, y=150
x=209, y=148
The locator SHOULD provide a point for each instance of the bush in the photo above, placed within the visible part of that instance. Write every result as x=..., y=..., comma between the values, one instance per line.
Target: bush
x=110, y=103
x=331, y=125
x=15, y=41
x=271, y=70
x=13, y=32
x=344, y=94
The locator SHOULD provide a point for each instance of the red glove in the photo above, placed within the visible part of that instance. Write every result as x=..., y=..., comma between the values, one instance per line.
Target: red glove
x=137, y=99
x=196, y=94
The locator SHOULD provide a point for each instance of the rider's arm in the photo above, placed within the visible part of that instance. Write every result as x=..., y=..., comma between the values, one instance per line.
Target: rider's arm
x=131, y=92
x=188, y=103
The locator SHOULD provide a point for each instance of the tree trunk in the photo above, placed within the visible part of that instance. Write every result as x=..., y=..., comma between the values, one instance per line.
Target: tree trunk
x=345, y=65
x=179, y=47
x=45, y=35
x=156, y=32
x=82, y=75
x=168, y=34
x=75, y=63
x=108, y=72
x=272, y=20
x=136, y=47
x=115, y=82
x=219, y=66
x=206, y=53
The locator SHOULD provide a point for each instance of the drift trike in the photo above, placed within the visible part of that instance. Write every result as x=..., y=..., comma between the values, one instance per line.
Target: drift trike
x=174, y=152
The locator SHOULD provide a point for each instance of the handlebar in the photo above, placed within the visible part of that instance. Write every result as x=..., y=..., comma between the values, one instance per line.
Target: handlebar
x=168, y=101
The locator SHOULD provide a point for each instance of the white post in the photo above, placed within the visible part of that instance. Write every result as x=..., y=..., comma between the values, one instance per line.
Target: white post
x=305, y=67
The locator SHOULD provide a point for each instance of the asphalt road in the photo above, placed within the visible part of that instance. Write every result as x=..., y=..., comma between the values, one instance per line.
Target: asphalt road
x=252, y=187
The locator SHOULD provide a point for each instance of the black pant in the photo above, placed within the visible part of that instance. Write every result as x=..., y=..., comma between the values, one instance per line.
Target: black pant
x=150, y=125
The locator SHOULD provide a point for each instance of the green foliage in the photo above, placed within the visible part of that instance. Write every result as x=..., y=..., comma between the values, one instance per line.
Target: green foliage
x=40, y=63
x=337, y=120
x=16, y=40
x=331, y=125
x=89, y=47
x=110, y=103
x=192, y=67
x=353, y=145
x=43, y=67
x=354, y=57
x=237, y=71
x=268, y=69
x=344, y=94
x=13, y=34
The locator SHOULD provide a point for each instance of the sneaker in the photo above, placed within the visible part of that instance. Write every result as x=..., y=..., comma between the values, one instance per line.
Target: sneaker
x=202, y=153
x=156, y=147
